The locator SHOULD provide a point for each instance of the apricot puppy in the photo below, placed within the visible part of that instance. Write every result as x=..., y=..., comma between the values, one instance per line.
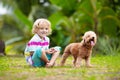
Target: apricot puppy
x=80, y=50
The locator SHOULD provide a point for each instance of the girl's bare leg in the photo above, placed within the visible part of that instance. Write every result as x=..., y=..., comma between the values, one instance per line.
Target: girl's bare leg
x=44, y=57
x=53, y=59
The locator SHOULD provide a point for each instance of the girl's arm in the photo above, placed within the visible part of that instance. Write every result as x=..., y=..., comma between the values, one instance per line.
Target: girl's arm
x=31, y=53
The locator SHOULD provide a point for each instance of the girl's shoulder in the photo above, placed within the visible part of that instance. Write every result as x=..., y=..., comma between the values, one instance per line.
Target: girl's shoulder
x=35, y=38
x=47, y=38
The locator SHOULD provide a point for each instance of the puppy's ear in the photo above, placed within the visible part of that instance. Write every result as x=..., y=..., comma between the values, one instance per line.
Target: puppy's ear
x=82, y=37
x=84, y=40
x=95, y=39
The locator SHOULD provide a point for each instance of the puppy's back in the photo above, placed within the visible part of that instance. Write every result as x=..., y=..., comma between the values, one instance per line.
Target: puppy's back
x=72, y=48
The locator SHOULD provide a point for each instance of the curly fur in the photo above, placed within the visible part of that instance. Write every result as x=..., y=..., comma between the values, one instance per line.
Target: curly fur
x=80, y=50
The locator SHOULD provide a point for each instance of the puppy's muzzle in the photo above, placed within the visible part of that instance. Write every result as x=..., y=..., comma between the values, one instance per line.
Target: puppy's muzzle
x=92, y=41
x=92, y=38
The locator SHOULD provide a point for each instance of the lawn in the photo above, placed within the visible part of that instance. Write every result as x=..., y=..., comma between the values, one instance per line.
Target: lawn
x=105, y=68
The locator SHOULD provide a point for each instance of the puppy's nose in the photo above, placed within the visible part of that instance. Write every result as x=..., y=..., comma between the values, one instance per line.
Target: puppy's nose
x=93, y=37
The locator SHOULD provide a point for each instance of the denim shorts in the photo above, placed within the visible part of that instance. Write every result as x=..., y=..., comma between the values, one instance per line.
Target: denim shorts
x=36, y=58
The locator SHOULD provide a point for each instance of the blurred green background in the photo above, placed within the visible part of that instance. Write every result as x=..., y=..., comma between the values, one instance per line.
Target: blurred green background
x=69, y=19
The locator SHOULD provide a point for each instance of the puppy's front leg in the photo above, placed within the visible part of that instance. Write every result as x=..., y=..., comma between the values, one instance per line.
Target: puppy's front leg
x=74, y=61
x=78, y=62
x=87, y=60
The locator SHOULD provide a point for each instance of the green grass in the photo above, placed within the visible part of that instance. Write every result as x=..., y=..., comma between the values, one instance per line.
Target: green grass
x=105, y=68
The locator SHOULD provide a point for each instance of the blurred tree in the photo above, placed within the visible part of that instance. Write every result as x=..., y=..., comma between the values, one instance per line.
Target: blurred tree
x=15, y=27
x=115, y=6
x=87, y=15
x=70, y=19
x=20, y=21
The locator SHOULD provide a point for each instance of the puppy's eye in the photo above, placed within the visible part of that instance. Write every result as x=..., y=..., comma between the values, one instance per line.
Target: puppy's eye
x=38, y=24
x=88, y=36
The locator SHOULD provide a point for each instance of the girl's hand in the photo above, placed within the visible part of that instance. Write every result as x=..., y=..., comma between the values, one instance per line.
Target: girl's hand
x=51, y=50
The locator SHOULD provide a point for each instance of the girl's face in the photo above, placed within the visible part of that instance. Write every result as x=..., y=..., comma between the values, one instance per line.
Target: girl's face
x=43, y=31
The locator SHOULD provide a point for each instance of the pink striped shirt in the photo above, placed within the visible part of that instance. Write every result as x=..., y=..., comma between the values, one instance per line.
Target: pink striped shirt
x=38, y=43
x=35, y=42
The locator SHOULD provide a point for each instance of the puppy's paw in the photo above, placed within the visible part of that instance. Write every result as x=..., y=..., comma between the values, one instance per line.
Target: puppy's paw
x=61, y=64
x=77, y=66
x=90, y=66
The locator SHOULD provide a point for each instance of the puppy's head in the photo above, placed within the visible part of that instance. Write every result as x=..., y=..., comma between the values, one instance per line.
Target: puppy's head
x=90, y=38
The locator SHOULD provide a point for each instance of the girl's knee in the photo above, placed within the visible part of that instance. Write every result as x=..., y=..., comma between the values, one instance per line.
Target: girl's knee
x=56, y=53
x=57, y=48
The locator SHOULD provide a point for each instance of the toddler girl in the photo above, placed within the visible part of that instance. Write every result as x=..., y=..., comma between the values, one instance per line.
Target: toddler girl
x=37, y=51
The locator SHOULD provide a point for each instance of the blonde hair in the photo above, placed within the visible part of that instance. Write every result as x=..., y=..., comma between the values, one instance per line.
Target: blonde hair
x=41, y=23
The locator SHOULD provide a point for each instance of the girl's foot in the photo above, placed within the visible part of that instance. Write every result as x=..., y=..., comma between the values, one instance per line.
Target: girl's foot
x=48, y=65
